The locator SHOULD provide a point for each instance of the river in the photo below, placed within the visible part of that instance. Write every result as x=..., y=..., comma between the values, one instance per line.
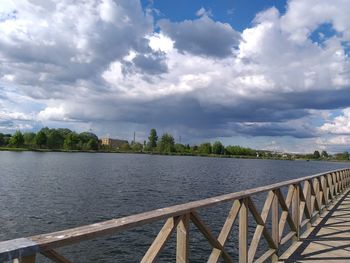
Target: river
x=45, y=192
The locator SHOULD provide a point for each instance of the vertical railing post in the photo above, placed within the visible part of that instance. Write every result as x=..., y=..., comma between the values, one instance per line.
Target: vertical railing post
x=329, y=189
x=322, y=194
x=307, y=195
x=334, y=183
x=243, y=231
x=275, y=228
x=341, y=181
x=27, y=259
x=296, y=211
x=182, y=239
x=337, y=177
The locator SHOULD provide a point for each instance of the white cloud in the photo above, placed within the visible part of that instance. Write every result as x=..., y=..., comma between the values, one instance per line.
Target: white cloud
x=303, y=17
x=160, y=42
x=103, y=61
x=18, y=116
x=204, y=12
x=53, y=114
x=339, y=125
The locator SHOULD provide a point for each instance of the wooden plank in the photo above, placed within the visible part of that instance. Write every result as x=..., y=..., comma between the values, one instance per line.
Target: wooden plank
x=54, y=256
x=285, y=210
x=182, y=240
x=260, y=228
x=296, y=210
x=322, y=196
x=264, y=257
x=287, y=237
x=209, y=236
x=304, y=209
x=161, y=239
x=27, y=259
x=243, y=232
x=307, y=195
x=275, y=227
x=225, y=231
x=325, y=244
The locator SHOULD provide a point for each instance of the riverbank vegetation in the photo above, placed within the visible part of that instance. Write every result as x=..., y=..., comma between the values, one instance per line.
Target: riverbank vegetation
x=50, y=139
x=63, y=139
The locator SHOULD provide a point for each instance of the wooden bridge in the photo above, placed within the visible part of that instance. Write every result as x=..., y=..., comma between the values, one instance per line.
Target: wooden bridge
x=314, y=209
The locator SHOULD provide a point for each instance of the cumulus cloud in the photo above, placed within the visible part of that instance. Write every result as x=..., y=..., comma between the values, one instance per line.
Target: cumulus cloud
x=339, y=125
x=103, y=64
x=48, y=43
x=202, y=36
x=303, y=17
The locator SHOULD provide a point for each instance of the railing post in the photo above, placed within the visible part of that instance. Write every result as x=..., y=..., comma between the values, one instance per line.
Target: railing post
x=275, y=228
x=342, y=180
x=27, y=259
x=307, y=195
x=334, y=183
x=243, y=232
x=337, y=176
x=182, y=239
x=296, y=211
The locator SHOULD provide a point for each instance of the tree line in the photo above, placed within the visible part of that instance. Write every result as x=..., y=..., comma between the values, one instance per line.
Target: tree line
x=54, y=139
x=166, y=144
x=65, y=139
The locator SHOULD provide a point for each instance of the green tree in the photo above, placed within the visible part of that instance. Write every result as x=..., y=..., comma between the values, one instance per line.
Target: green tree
x=71, y=141
x=238, y=150
x=324, y=154
x=180, y=148
x=29, y=138
x=136, y=147
x=2, y=141
x=125, y=147
x=316, y=155
x=342, y=156
x=40, y=138
x=84, y=138
x=218, y=148
x=17, y=139
x=64, y=131
x=205, y=148
x=152, y=139
x=7, y=138
x=54, y=139
x=92, y=144
x=167, y=143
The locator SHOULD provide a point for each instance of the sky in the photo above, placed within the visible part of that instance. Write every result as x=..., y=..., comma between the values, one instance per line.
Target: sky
x=271, y=74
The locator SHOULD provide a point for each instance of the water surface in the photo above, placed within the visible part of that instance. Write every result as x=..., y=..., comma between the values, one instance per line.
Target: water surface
x=45, y=192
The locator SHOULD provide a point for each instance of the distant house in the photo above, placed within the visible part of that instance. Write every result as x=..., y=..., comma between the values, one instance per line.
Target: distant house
x=113, y=143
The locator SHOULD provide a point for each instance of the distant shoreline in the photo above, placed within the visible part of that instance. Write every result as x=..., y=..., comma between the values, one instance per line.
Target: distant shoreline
x=10, y=149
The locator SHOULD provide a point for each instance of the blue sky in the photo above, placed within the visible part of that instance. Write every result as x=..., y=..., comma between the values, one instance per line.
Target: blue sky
x=270, y=75
x=239, y=14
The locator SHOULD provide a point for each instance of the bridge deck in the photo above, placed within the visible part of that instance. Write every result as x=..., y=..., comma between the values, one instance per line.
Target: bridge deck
x=329, y=241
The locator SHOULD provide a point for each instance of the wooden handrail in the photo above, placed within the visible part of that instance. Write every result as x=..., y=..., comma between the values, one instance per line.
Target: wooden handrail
x=318, y=192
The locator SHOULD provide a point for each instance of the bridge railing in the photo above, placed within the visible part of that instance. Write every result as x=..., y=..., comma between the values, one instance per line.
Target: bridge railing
x=305, y=199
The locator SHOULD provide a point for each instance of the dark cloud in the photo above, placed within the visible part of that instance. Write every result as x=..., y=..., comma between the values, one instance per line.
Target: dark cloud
x=80, y=47
x=202, y=36
x=275, y=129
x=318, y=99
x=152, y=63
